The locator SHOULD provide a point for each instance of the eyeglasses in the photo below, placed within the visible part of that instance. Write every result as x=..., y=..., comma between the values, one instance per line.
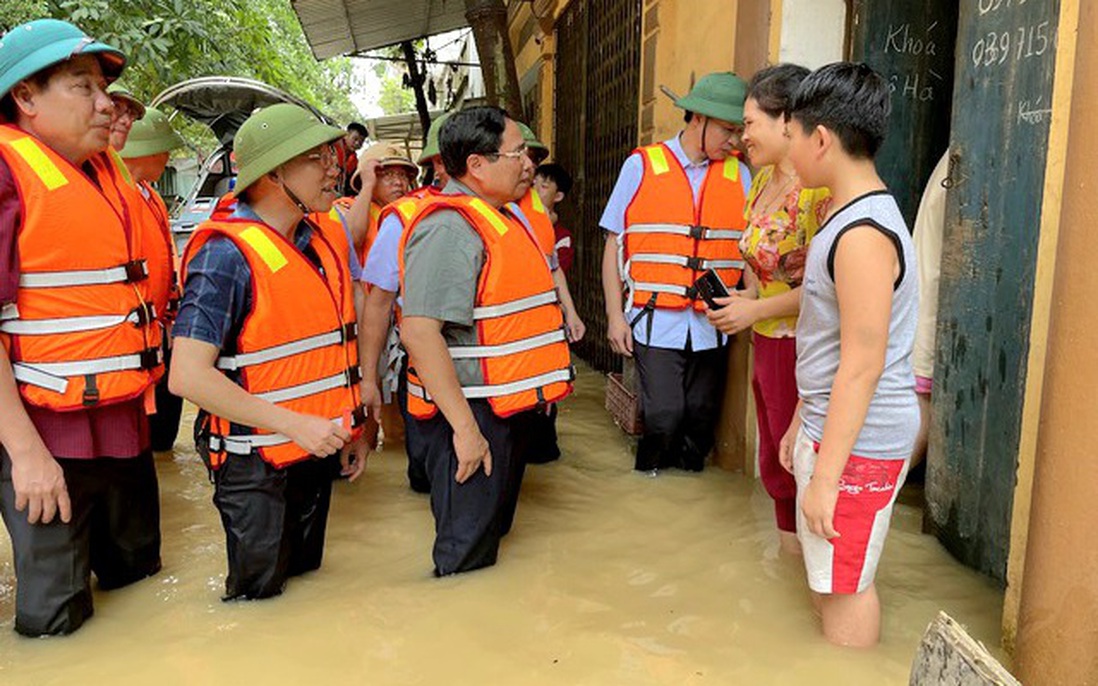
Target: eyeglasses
x=394, y=176
x=326, y=157
x=514, y=154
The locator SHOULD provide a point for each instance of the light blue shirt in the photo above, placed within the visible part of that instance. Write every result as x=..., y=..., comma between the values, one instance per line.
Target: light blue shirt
x=352, y=257
x=382, y=266
x=670, y=328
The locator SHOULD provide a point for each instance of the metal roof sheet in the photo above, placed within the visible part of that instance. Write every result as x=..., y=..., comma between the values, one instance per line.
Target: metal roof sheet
x=342, y=27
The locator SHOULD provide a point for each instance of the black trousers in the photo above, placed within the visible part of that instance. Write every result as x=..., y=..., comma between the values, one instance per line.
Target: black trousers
x=543, y=446
x=471, y=518
x=680, y=395
x=114, y=532
x=414, y=445
x=274, y=521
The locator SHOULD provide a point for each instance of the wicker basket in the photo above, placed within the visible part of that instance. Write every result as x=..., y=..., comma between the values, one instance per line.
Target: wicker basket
x=623, y=405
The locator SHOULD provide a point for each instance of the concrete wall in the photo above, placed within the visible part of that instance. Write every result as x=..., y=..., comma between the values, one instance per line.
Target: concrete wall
x=813, y=32
x=683, y=40
x=1058, y=626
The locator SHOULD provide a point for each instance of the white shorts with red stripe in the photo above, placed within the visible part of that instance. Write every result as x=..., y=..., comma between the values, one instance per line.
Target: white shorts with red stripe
x=867, y=492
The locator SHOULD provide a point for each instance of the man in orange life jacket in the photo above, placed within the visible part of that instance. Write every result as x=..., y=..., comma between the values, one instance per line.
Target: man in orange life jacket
x=531, y=211
x=677, y=210
x=484, y=334
x=384, y=175
x=78, y=487
x=264, y=343
x=383, y=369
x=145, y=153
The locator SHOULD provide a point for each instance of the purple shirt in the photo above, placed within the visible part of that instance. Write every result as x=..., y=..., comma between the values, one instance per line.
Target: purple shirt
x=117, y=430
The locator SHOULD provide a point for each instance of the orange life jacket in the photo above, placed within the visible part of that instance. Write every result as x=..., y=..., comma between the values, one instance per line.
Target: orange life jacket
x=80, y=333
x=159, y=249
x=521, y=344
x=535, y=218
x=670, y=240
x=297, y=346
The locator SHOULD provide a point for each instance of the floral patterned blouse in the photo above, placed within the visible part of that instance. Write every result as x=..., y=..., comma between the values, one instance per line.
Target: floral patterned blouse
x=775, y=245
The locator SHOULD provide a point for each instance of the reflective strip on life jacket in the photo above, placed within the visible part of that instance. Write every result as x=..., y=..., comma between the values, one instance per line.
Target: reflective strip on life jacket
x=42, y=327
x=515, y=306
x=497, y=390
x=131, y=272
x=696, y=263
x=700, y=232
x=51, y=375
x=244, y=445
x=471, y=352
x=341, y=380
x=277, y=352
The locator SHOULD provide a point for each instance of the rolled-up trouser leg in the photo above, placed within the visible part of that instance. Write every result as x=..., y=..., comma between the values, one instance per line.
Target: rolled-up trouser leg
x=125, y=522
x=52, y=561
x=660, y=381
x=251, y=497
x=467, y=515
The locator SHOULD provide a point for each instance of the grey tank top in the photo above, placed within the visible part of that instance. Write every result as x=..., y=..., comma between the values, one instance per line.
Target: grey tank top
x=893, y=417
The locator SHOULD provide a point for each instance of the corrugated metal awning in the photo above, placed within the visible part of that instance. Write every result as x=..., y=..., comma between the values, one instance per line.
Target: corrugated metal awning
x=343, y=27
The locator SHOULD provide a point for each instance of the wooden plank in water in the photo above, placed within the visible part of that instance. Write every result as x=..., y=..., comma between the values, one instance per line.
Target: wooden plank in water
x=948, y=656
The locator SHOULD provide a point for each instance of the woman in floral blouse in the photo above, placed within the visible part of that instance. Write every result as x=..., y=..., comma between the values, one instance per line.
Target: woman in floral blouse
x=783, y=216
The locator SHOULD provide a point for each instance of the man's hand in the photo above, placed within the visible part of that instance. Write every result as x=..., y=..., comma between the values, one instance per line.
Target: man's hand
x=367, y=173
x=788, y=444
x=371, y=398
x=352, y=459
x=736, y=314
x=620, y=335
x=40, y=487
x=818, y=506
x=317, y=435
x=574, y=326
x=472, y=451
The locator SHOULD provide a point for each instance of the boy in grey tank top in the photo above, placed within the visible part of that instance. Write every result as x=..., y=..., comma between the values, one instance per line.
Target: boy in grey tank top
x=849, y=445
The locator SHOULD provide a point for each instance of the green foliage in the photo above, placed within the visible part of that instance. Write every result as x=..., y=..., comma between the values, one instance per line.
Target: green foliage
x=395, y=98
x=168, y=41
x=15, y=12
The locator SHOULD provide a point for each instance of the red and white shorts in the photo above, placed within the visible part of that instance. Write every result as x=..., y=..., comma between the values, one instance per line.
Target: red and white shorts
x=867, y=491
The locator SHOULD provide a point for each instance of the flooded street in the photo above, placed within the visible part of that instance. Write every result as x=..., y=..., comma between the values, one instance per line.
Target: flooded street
x=608, y=578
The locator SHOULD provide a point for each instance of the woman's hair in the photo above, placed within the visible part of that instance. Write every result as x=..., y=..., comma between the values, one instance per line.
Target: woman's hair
x=773, y=87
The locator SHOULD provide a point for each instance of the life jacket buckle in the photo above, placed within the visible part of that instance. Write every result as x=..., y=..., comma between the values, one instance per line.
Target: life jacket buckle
x=136, y=270
x=354, y=375
x=145, y=314
x=698, y=232
x=349, y=332
x=695, y=263
x=151, y=358
x=691, y=292
x=91, y=391
x=358, y=417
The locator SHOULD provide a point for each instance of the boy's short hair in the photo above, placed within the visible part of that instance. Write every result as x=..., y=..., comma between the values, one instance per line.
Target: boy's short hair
x=557, y=174
x=359, y=128
x=849, y=99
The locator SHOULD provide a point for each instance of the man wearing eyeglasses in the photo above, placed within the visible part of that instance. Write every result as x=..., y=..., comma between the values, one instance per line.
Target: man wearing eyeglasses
x=265, y=345
x=484, y=333
x=677, y=211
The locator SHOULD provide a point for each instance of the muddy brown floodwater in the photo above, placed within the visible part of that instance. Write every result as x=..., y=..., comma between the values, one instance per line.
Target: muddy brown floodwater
x=608, y=578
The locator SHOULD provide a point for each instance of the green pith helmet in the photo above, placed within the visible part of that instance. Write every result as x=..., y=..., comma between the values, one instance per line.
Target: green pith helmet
x=119, y=92
x=275, y=135
x=431, y=148
x=29, y=48
x=531, y=138
x=719, y=95
x=151, y=135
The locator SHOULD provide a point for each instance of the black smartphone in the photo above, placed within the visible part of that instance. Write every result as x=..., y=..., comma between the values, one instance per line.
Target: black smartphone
x=710, y=286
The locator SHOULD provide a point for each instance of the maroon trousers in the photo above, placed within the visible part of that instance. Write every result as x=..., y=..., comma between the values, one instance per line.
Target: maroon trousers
x=775, y=386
